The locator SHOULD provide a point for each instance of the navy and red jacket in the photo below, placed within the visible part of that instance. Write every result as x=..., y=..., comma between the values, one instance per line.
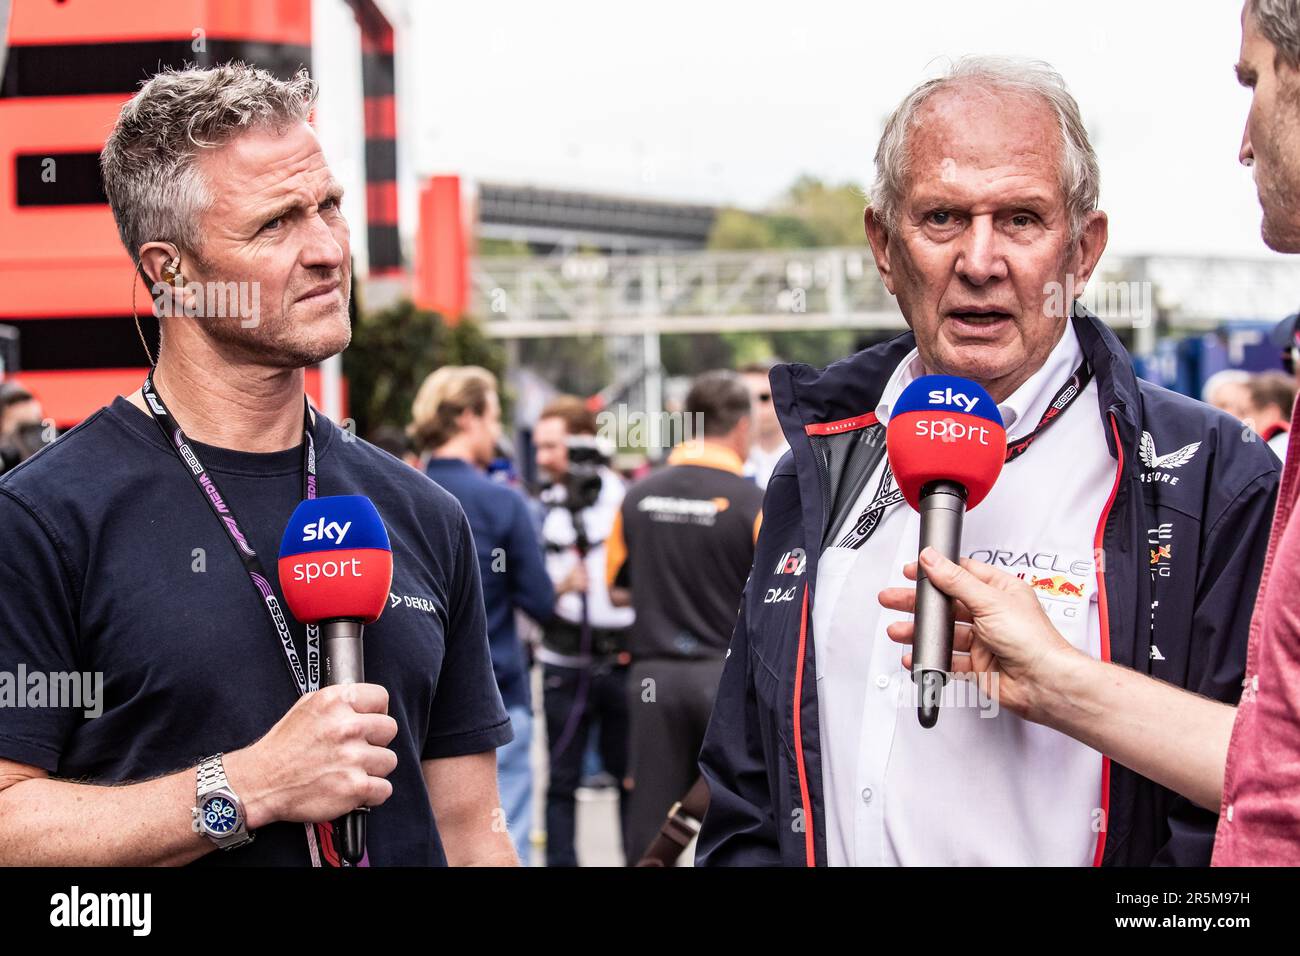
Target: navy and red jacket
x=1182, y=542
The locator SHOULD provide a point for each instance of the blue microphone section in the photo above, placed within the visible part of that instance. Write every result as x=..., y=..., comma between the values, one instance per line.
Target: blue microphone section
x=339, y=522
x=947, y=393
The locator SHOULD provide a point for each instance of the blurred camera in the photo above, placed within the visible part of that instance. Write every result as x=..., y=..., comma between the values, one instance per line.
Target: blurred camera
x=579, y=489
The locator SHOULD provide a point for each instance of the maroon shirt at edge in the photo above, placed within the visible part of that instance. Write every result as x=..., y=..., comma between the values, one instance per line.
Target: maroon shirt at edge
x=1259, y=819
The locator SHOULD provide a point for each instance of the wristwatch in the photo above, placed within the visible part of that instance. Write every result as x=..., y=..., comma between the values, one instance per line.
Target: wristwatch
x=219, y=814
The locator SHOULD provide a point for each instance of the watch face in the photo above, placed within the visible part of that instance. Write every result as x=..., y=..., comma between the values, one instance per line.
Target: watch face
x=220, y=816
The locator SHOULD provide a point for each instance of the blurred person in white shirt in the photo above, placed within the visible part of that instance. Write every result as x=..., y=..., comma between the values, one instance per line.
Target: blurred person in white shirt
x=769, y=442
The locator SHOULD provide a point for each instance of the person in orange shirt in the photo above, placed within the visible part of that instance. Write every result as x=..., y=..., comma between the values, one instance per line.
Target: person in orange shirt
x=681, y=550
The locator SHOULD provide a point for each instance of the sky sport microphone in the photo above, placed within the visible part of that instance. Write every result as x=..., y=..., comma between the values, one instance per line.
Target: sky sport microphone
x=946, y=446
x=336, y=567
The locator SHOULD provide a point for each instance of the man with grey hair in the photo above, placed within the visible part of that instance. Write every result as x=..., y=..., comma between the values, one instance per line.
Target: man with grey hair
x=124, y=556
x=1243, y=760
x=1228, y=390
x=1136, y=515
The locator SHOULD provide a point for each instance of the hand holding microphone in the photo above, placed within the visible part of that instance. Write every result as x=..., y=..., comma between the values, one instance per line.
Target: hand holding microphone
x=328, y=755
x=1002, y=630
x=336, y=566
x=946, y=448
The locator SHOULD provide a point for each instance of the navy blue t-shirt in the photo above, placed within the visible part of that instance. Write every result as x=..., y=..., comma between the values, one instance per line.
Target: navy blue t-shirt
x=111, y=561
x=510, y=566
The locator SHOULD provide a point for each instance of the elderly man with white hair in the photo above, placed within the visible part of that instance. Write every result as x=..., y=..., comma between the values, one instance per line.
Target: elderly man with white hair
x=1242, y=759
x=1138, y=516
x=141, y=546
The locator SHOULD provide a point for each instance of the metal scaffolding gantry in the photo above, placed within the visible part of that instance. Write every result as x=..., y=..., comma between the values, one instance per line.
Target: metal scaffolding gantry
x=771, y=290
x=630, y=301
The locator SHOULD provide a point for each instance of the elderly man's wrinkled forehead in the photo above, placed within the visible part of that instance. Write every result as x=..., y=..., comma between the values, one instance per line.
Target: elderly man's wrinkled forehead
x=977, y=134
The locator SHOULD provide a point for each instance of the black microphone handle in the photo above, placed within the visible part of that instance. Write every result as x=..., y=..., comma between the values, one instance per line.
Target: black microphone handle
x=344, y=664
x=943, y=503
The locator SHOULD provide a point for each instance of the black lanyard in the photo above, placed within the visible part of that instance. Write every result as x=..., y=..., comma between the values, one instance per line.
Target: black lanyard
x=304, y=681
x=1063, y=399
x=887, y=495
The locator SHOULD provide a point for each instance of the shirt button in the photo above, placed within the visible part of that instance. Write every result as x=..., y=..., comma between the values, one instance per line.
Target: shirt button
x=1230, y=813
x=882, y=681
x=866, y=795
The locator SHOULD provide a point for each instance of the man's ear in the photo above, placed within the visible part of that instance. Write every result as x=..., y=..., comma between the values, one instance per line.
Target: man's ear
x=878, y=236
x=465, y=420
x=154, y=257
x=168, y=289
x=1092, y=243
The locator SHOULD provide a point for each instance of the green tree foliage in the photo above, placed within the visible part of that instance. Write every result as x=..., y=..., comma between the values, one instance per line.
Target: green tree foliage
x=810, y=214
x=392, y=352
x=576, y=365
x=691, y=354
x=488, y=248
x=738, y=229
x=816, y=348
x=831, y=214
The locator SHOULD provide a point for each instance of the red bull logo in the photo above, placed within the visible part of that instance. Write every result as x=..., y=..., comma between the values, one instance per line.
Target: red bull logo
x=1057, y=585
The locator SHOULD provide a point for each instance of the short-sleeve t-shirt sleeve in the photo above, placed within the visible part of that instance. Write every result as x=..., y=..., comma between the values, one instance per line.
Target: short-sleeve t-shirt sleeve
x=466, y=715
x=37, y=639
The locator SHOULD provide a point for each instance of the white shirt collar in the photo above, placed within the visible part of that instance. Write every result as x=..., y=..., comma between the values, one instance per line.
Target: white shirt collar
x=1023, y=408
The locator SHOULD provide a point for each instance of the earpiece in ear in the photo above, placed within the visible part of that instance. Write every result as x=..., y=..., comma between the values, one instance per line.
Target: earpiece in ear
x=171, y=273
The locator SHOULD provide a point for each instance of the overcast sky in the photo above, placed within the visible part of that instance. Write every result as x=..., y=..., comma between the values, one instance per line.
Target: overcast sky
x=728, y=102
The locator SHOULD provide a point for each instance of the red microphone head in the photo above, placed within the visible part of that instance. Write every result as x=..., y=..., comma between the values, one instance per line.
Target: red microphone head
x=335, y=561
x=944, y=428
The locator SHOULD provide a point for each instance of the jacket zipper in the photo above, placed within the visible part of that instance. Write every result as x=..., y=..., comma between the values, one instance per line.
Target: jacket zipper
x=1103, y=621
x=817, y=429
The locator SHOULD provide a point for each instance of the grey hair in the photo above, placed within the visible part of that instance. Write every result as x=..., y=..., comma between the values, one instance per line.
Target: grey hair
x=1080, y=175
x=1279, y=22
x=1227, y=376
x=153, y=184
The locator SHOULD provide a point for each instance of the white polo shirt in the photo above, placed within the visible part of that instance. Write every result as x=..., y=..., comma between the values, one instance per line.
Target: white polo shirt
x=982, y=787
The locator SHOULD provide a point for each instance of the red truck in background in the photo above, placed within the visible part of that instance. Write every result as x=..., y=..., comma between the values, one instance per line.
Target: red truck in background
x=65, y=280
